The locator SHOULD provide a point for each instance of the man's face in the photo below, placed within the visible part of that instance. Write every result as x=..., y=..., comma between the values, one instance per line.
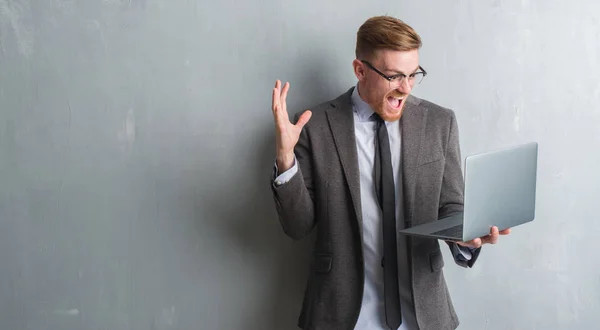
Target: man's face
x=386, y=98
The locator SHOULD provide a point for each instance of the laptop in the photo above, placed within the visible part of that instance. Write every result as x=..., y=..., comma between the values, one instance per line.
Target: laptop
x=500, y=188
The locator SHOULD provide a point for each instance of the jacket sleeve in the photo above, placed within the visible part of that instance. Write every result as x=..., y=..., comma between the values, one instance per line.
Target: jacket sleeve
x=451, y=199
x=294, y=199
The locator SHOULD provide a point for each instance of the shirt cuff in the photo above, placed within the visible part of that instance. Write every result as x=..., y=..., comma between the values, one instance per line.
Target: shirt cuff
x=280, y=179
x=464, y=252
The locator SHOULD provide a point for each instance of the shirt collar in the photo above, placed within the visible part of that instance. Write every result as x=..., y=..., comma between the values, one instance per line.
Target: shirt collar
x=360, y=107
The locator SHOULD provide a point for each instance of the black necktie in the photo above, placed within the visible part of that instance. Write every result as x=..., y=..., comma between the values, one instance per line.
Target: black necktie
x=384, y=183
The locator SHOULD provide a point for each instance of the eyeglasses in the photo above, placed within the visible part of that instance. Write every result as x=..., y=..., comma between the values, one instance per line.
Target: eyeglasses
x=397, y=79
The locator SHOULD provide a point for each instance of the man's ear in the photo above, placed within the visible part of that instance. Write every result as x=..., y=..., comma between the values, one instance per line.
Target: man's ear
x=359, y=69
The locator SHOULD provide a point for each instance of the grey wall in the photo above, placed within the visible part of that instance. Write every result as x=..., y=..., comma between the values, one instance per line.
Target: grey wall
x=136, y=143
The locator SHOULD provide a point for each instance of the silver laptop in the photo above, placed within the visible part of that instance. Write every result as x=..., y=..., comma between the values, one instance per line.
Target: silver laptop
x=500, y=189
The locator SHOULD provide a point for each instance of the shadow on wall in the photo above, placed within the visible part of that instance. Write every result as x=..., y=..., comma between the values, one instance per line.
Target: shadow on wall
x=319, y=81
x=252, y=225
x=316, y=84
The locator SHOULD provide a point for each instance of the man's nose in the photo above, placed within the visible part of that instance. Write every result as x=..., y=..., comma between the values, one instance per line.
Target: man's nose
x=404, y=87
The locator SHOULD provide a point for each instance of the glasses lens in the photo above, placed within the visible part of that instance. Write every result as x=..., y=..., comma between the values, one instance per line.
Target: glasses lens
x=418, y=78
x=395, y=83
x=413, y=79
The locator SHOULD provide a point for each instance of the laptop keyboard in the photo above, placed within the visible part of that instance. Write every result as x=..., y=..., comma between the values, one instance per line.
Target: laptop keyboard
x=455, y=231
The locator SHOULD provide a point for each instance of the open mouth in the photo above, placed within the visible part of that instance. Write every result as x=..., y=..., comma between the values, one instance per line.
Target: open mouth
x=395, y=102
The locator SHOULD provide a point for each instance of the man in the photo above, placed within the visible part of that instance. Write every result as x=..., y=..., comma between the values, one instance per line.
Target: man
x=357, y=169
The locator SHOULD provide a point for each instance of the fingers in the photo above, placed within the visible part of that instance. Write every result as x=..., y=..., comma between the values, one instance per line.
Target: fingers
x=476, y=243
x=278, y=108
x=283, y=97
x=492, y=238
x=279, y=105
x=275, y=97
x=303, y=119
x=280, y=94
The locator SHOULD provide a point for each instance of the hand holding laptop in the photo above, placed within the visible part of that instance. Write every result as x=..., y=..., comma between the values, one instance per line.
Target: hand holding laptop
x=499, y=192
x=492, y=238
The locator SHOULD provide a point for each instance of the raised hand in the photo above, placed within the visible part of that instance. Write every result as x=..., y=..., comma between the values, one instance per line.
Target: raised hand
x=286, y=133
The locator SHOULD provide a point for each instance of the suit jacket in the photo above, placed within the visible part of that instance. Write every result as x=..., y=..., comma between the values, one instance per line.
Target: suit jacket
x=325, y=194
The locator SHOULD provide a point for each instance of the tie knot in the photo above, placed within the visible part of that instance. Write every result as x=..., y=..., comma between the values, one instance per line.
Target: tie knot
x=376, y=118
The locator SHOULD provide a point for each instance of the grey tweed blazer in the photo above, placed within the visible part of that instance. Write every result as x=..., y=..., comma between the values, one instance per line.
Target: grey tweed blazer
x=325, y=195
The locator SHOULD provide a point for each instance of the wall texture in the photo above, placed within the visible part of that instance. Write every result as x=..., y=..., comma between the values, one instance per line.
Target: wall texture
x=136, y=144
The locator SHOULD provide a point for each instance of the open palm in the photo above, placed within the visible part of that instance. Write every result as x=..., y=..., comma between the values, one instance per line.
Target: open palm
x=286, y=133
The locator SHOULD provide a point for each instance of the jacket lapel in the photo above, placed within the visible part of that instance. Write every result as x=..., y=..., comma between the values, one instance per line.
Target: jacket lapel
x=341, y=123
x=413, y=126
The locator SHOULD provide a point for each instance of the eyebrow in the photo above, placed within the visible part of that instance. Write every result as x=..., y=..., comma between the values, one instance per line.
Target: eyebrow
x=400, y=72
